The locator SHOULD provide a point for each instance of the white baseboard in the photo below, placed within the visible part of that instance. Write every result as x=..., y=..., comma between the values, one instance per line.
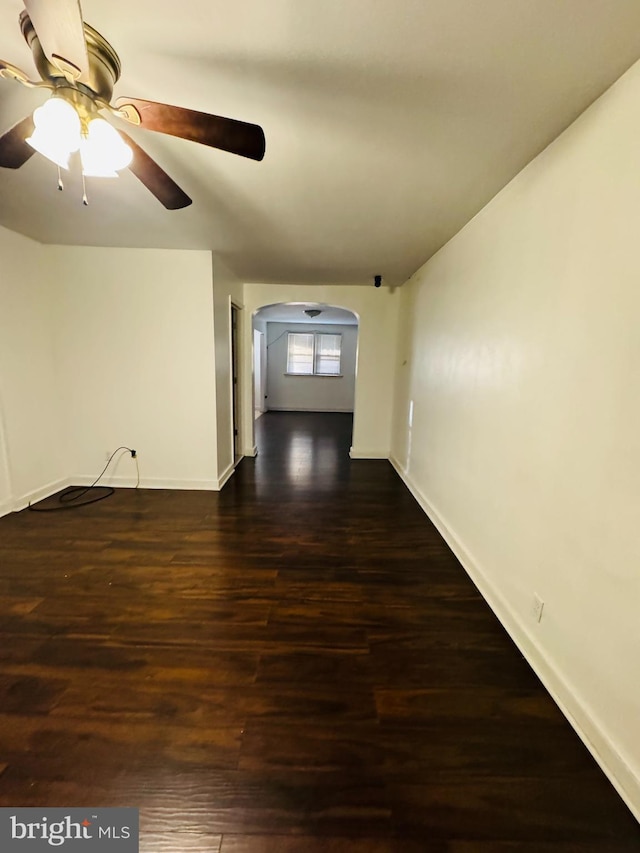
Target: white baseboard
x=593, y=734
x=146, y=483
x=360, y=453
x=39, y=494
x=117, y=482
x=223, y=478
x=250, y=451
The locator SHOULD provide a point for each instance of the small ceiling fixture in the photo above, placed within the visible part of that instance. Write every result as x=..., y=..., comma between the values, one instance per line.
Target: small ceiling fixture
x=312, y=312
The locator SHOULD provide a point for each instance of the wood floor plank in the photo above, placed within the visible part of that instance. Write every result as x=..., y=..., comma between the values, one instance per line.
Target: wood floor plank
x=309, y=844
x=30, y=695
x=17, y=605
x=316, y=666
x=524, y=809
x=121, y=699
x=163, y=660
x=260, y=803
x=582, y=846
x=178, y=842
x=459, y=749
x=440, y=705
x=51, y=747
x=297, y=664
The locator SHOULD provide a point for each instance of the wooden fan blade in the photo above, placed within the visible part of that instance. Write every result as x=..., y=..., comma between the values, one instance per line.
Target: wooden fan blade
x=14, y=151
x=237, y=137
x=155, y=178
x=58, y=25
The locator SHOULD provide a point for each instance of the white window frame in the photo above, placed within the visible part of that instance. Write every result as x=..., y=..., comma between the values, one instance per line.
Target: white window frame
x=314, y=354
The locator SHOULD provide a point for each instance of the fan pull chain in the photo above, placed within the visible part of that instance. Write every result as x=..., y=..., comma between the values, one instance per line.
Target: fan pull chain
x=60, y=184
x=85, y=200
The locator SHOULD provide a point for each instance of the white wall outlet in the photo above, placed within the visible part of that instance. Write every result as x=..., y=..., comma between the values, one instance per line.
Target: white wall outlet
x=538, y=607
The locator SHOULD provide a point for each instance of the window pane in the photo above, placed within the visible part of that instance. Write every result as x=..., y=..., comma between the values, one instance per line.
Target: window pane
x=300, y=354
x=328, y=354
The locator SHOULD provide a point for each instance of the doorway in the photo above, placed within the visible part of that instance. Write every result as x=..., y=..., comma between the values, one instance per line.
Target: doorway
x=235, y=397
x=306, y=359
x=259, y=373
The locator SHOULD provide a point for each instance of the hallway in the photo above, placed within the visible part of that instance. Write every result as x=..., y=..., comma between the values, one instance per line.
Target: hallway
x=295, y=664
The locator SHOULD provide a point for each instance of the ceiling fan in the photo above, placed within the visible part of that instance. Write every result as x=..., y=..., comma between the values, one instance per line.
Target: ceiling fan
x=81, y=68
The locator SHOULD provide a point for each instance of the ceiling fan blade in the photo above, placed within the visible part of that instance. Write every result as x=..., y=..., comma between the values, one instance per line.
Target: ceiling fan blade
x=60, y=31
x=14, y=151
x=237, y=137
x=155, y=178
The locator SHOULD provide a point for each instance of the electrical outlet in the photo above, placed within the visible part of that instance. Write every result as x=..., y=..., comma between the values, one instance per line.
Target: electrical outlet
x=538, y=607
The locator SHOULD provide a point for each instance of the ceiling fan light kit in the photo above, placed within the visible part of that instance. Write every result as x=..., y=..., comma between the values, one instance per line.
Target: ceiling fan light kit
x=57, y=131
x=103, y=151
x=81, y=69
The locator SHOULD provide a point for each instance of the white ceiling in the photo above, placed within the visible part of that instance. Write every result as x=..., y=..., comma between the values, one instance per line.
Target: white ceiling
x=293, y=312
x=389, y=123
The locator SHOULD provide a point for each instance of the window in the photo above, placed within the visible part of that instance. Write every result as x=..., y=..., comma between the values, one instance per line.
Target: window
x=327, y=357
x=314, y=354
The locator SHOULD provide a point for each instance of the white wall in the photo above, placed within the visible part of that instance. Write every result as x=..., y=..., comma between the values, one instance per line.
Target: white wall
x=310, y=393
x=377, y=311
x=32, y=443
x=522, y=360
x=134, y=341
x=227, y=289
x=102, y=347
x=260, y=381
x=259, y=371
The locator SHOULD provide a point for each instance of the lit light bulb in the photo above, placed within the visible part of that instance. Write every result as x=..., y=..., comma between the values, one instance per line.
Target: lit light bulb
x=57, y=131
x=103, y=151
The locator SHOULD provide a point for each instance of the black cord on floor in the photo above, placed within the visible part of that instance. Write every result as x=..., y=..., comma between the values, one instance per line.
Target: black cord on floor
x=70, y=497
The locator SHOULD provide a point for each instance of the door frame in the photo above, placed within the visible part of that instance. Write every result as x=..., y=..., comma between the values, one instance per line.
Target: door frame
x=235, y=344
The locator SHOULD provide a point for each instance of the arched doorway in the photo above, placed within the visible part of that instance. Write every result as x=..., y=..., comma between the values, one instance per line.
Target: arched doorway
x=304, y=358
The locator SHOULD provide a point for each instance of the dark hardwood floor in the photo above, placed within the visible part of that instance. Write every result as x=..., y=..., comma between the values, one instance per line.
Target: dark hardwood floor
x=297, y=663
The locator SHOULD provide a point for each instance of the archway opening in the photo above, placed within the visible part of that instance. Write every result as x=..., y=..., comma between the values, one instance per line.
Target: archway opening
x=304, y=358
